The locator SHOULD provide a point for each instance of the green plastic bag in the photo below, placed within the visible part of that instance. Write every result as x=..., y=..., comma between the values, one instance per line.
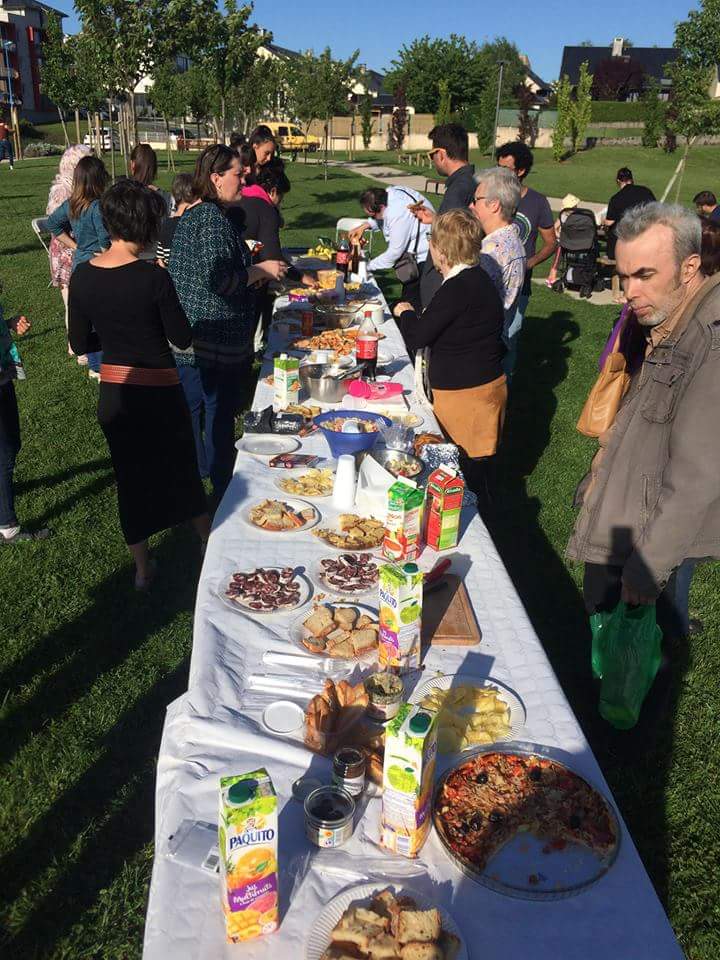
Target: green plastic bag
x=626, y=655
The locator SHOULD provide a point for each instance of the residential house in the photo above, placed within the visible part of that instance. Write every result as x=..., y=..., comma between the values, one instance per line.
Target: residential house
x=22, y=31
x=653, y=61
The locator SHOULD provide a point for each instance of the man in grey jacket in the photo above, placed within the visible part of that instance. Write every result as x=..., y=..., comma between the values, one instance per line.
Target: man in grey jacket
x=652, y=498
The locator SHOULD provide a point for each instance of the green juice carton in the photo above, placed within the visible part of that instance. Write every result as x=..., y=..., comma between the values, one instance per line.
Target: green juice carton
x=400, y=595
x=404, y=521
x=248, y=842
x=286, y=380
x=408, y=772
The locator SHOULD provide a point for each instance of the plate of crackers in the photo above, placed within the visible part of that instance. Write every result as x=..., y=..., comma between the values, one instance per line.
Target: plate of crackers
x=315, y=482
x=342, y=632
x=395, y=924
x=353, y=533
x=473, y=712
x=282, y=516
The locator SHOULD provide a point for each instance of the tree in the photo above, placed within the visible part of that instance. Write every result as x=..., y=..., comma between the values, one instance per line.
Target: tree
x=262, y=94
x=581, y=111
x=421, y=65
x=528, y=118
x=366, y=120
x=168, y=97
x=616, y=78
x=196, y=87
x=653, y=114
x=398, y=124
x=58, y=71
x=444, y=110
x=562, y=121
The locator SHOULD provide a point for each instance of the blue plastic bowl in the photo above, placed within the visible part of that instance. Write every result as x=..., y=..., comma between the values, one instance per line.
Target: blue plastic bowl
x=340, y=443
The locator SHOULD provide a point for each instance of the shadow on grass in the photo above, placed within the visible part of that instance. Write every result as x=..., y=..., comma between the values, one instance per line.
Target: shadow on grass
x=118, y=621
x=636, y=763
x=312, y=221
x=338, y=196
x=50, y=480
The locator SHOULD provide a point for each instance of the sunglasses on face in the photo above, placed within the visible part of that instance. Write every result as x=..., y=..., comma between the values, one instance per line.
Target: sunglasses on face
x=432, y=153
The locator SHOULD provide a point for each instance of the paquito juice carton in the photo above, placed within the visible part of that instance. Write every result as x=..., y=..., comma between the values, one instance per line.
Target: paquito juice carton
x=408, y=772
x=442, y=509
x=400, y=594
x=404, y=521
x=247, y=837
x=286, y=380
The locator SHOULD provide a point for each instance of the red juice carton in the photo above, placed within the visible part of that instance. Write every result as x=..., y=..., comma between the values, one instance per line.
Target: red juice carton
x=444, y=497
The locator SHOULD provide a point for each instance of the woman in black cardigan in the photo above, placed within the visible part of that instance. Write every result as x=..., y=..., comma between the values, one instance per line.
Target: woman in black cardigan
x=462, y=327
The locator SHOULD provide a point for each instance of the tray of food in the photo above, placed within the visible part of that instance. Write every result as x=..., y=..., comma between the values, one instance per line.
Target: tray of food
x=307, y=410
x=349, y=575
x=371, y=921
x=267, y=590
x=353, y=533
x=523, y=823
x=315, y=482
x=282, y=516
x=341, y=343
x=472, y=711
x=339, y=632
x=336, y=717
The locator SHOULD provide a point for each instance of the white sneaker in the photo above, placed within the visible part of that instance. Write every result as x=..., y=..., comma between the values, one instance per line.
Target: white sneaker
x=93, y=374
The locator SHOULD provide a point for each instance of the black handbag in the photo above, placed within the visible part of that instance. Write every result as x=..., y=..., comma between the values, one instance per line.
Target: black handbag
x=406, y=266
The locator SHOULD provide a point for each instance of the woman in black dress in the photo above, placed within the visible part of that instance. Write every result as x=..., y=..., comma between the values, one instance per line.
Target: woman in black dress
x=128, y=308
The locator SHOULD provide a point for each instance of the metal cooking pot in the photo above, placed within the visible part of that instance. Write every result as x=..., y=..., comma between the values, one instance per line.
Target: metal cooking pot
x=336, y=317
x=327, y=382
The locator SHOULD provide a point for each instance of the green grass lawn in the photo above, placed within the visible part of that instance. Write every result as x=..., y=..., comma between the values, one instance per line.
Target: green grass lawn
x=88, y=666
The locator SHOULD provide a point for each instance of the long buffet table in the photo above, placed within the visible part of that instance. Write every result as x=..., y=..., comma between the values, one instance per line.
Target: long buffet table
x=214, y=730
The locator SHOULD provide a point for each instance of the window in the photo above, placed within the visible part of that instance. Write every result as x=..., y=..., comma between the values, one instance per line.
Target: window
x=296, y=133
x=282, y=131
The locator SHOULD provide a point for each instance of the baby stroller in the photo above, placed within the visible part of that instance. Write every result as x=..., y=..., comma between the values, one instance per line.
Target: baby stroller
x=579, y=251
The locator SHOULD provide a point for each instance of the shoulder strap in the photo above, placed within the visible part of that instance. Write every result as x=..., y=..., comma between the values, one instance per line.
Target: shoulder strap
x=417, y=232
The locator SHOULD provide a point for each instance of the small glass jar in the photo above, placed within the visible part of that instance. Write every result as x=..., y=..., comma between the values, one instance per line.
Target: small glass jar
x=385, y=694
x=349, y=770
x=329, y=814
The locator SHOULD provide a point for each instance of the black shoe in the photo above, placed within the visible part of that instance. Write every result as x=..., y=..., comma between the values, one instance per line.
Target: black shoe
x=695, y=626
x=23, y=535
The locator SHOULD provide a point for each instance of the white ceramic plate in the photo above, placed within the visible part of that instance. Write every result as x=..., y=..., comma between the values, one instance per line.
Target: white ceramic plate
x=411, y=420
x=518, y=714
x=306, y=591
x=296, y=505
x=267, y=445
x=298, y=631
x=322, y=926
x=322, y=584
x=283, y=717
x=297, y=472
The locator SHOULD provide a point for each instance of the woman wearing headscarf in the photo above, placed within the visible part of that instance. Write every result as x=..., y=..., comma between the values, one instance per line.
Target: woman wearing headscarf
x=61, y=256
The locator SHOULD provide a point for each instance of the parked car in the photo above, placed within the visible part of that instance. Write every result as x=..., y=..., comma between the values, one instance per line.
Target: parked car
x=291, y=138
x=106, y=138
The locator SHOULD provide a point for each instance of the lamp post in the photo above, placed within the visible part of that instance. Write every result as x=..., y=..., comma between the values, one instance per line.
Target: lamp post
x=501, y=64
x=7, y=46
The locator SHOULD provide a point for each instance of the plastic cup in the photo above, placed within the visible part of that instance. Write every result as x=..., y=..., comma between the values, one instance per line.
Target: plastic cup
x=345, y=480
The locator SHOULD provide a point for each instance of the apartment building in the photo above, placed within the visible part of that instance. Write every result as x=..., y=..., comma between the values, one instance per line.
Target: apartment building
x=22, y=29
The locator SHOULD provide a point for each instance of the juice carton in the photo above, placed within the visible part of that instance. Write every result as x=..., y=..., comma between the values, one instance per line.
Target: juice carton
x=442, y=509
x=400, y=593
x=403, y=523
x=286, y=378
x=408, y=771
x=247, y=837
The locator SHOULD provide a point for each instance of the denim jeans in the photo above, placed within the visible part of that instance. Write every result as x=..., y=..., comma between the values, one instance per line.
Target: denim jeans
x=512, y=335
x=6, y=151
x=216, y=392
x=9, y=448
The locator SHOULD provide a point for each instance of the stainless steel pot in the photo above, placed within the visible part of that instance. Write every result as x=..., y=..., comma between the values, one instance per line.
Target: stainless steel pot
x=327, y=382
x=335, y=317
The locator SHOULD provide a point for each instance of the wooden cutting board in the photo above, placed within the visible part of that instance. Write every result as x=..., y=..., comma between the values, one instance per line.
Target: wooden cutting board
x=447, y=616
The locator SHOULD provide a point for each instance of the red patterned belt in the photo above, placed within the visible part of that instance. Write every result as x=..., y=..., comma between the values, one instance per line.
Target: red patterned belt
x=139, y=376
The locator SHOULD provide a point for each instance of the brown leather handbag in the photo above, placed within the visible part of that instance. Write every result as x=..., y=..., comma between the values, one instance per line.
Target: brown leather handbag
x=604, y=400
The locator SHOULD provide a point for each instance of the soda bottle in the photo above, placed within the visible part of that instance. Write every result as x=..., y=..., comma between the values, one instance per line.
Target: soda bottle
x=342, y=258
x=366, y=353
x=355, y=260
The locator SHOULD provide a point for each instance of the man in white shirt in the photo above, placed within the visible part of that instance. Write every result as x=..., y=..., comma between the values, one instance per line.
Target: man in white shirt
x=389, y=210
x=497, y=195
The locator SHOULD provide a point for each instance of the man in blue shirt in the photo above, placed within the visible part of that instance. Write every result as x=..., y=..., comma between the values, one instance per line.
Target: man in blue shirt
x=706, y=205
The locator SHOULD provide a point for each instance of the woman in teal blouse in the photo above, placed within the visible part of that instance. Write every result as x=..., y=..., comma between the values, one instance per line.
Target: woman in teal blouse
x=77, y=223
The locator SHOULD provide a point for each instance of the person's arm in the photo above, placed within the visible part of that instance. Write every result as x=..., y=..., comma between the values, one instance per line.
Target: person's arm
x=101, y=234
x=423, y=331
x=611, y=215
x=175, y=324
x=689, y=487
x=355, y=235
x=81, y=334
x=60, y=227
x=402, y=229
x=547, y=234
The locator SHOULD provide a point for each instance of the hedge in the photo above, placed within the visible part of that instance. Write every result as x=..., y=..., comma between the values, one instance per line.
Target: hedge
x=612, y=111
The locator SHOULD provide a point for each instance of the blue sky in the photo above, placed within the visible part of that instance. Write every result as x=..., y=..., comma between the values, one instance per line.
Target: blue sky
x=539, y=28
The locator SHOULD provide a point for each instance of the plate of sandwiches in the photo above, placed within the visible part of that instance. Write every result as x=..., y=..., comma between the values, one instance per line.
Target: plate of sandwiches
x=339, y=631
x=384, y=924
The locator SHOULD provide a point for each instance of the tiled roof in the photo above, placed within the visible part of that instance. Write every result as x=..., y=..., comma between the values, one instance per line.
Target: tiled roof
x=653, y=59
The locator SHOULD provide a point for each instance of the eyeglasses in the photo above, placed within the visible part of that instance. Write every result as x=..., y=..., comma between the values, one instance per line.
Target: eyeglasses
x=475, y=200
x=432, y=153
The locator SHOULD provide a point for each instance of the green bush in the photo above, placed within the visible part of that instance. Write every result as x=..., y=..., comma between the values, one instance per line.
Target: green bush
x=611, y=111
x=40, y=149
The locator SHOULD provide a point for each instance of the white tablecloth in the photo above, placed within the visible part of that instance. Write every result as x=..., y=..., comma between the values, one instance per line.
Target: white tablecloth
x=208, y=734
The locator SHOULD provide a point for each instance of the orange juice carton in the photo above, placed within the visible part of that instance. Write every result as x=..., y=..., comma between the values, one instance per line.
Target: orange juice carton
x=400, y=595
x=444, y=497
x=403, y=522
x=408, y=771
x=286, y=380
x=247, y=837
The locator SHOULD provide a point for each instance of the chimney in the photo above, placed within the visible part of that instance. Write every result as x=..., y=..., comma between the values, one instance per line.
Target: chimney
x=617, y=46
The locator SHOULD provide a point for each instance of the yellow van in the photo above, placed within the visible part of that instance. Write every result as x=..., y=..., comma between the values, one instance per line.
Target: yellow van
x=291, y=138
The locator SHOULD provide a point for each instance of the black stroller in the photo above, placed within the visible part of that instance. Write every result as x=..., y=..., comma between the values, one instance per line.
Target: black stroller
x=579, y=250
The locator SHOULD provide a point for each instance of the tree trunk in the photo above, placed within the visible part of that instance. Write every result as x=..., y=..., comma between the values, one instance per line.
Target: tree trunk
x=222, y=117
x=133, y=111
x=90, y=130
x=98, y=137
x=15, y=124
x=62, y=121
x=170, y=159
x=112, y=144
x=77, y=125
x=689, y=141
x=327, y=139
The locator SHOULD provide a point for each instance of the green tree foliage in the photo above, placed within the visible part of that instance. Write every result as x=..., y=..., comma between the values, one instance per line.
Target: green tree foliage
x=366, y=120
x=198, y=93
x=653, y=114
x=167, y=96
x=484, y=118
x=444, y=110
x=262, y=94
x=58, y=71
x=581, y=111
x=564, y=113
x=693, y=113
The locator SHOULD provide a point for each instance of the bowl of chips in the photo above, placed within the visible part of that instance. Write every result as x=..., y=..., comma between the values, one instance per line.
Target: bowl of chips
x=351, y=431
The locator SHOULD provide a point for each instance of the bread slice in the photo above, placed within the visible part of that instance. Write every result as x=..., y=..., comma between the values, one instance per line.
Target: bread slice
x=450, y=945
x=419, y=926
x=383, y=947
x=345, y=617
x=351, y=935
x=383, y=902
x=364, y=621
x=314, y=644
x=361, y=915
x=337, y=636
x=318, y=620
x=363, y=640
x=343, y=649
x=421, y=951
